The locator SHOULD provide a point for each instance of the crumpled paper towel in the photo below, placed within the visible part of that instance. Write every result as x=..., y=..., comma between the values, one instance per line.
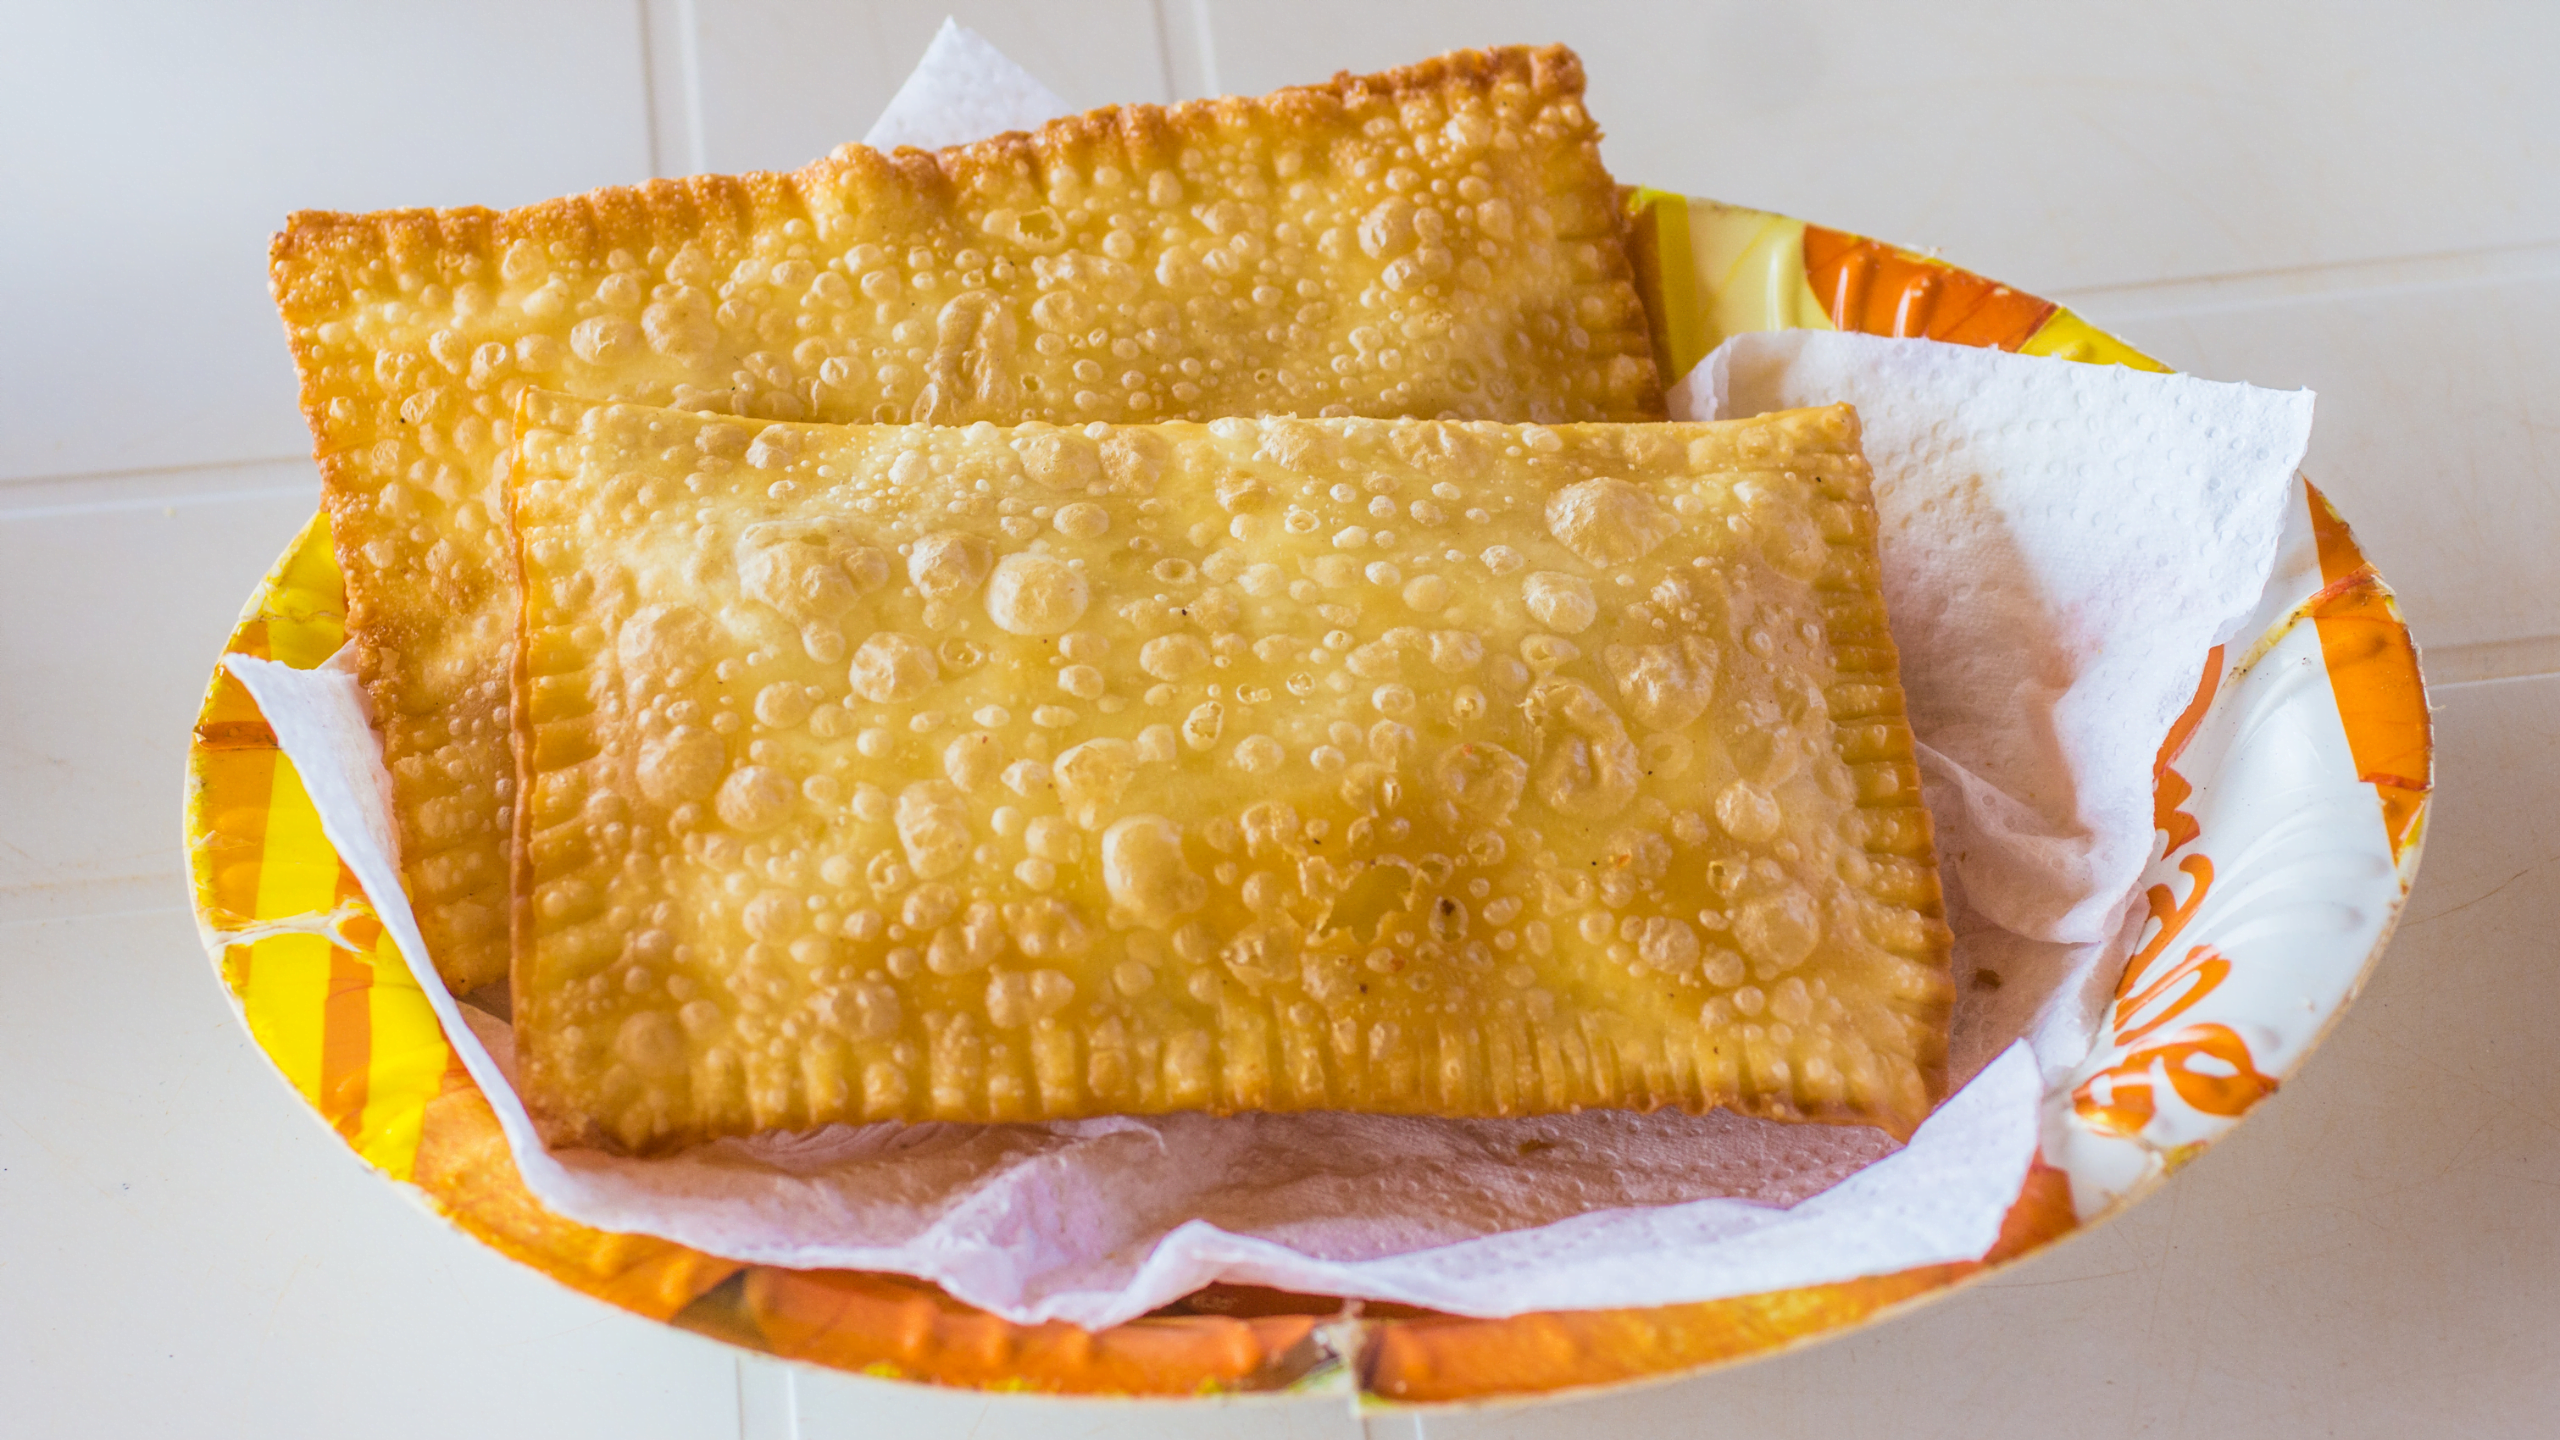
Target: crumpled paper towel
x=964, y=89
x=2062, y=544
x=1099, y=1221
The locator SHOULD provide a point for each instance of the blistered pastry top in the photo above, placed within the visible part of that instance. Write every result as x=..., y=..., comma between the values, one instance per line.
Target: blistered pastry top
x=1440, y=239
x=978, y=773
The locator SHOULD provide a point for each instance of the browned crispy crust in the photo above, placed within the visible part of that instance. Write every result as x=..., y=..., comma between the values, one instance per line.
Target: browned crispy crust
x=414, y=329
x=710, y=892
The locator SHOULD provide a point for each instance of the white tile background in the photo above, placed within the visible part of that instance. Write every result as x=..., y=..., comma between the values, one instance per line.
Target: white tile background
x=2363, y=199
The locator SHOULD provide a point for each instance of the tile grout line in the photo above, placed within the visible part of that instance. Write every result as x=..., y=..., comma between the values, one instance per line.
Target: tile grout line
x=2525, y=248
x=2437, y=687
x=671, y=86
x=689, y=50
x=144, y=472
x=156, y=502
x=649, y=87
x=1206, y=42
x=2350, y=279
x=1164, y=55
x=2522, y=658
x=125, y=914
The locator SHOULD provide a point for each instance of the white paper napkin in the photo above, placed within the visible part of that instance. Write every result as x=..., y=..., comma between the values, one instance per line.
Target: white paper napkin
x=2062, y=544
x=1099, y=1221
x=964, y=89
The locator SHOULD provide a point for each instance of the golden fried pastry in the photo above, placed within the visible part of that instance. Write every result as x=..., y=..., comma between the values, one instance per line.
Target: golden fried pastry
x=1438, y=240
x=1435, y=768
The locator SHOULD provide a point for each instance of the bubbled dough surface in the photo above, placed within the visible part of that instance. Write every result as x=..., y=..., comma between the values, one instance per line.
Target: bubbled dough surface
x=1437, y=239
x=975, y=774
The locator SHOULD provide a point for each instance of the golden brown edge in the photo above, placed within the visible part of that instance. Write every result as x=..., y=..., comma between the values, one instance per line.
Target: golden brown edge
x=519, y=760
x=1932, y=1061
x=556, y=1132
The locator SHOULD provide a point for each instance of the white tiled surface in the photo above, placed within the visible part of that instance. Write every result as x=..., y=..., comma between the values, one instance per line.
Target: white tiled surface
x=2366, y=201
x=146, y=151
x=2438, y=433
x=2051, y=146
x=784, y=83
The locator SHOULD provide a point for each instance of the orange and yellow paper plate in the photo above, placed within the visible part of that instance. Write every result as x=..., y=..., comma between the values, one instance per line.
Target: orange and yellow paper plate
x=2290, y=801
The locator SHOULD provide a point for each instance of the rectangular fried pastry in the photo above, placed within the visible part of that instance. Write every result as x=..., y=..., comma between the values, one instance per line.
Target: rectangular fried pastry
x=1440, y=768
x=1436, y=240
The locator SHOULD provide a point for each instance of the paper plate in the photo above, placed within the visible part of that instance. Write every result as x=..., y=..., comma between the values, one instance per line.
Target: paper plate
x=2290, y=801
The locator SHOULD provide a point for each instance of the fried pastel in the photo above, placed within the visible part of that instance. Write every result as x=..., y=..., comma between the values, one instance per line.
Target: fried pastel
x=1435, y=768
x=1435, y=240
